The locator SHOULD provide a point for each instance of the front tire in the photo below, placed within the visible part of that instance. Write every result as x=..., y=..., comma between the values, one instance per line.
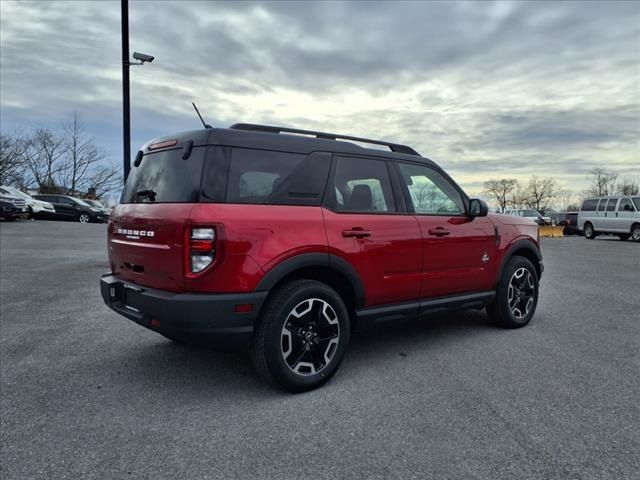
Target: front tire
x=589, y=231
x=302, y=335
x=517, y=294
x=635, y=233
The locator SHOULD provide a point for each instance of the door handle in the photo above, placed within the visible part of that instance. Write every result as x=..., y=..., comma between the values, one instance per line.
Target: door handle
x=439, y=232
x=356, y=232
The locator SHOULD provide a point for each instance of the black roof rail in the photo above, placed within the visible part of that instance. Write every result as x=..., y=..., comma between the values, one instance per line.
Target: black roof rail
x=394, y=147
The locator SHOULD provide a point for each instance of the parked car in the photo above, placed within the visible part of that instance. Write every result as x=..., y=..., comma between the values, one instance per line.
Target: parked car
x=71, y=208
x=96, y=204
x=568, y=220
x=13, y=207
x=287, y=243
x=10, y=209
x=610, y=215
x=37, y=208
x=531, y=214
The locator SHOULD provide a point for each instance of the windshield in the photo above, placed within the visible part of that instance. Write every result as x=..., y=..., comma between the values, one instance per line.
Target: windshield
x=82, y=202
x=17, y=193
x=529, y=213
x=164, y=177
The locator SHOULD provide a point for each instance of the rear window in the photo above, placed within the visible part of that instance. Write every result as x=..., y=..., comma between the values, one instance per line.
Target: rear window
x=164, y=177
x=589, y=205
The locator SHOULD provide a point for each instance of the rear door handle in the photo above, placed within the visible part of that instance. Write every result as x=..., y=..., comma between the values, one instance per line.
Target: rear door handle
x=439, y=232
x=356, y=232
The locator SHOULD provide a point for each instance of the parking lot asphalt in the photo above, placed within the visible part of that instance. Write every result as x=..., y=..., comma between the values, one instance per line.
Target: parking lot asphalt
x=88, y=394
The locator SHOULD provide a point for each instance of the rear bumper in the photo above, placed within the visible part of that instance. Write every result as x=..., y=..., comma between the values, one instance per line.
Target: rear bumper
x=210, y=318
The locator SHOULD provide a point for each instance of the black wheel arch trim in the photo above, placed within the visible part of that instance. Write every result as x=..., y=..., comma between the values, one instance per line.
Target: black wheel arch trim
x=306, y=260
x=518, y=245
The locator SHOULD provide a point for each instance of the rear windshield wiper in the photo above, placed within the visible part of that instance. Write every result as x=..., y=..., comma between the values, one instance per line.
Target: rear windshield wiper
x=150, y=194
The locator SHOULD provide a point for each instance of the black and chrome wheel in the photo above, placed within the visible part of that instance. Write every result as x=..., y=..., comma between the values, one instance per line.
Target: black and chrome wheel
x=310, y=336
x=521, y=292
x=84, y=218
x=302, y=335
x=517, y=294
x=589, y=231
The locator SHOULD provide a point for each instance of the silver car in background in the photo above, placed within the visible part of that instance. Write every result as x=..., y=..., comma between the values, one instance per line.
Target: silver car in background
x=610, y=215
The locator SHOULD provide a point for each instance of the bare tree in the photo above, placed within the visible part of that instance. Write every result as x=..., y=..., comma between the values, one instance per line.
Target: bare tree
x=83, y=163
x=602, y=182
x=629, y=186
x=501, y=189
x=12, y=159
x=518, y=197
x=43, y=158
x=540, y=192
x=566, y=198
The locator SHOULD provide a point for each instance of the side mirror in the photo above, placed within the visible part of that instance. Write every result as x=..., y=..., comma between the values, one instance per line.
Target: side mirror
x=478, y=208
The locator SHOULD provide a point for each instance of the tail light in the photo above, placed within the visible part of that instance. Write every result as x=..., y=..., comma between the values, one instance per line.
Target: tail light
x=201, y=249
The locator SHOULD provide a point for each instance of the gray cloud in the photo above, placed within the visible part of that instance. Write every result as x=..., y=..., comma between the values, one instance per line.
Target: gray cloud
x=487, y=89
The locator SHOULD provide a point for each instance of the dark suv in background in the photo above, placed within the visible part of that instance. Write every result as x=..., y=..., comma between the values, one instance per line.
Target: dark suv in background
x=287, y=240
x=71, y=208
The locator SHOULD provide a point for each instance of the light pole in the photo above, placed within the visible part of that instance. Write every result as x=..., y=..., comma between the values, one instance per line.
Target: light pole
x=142, y=58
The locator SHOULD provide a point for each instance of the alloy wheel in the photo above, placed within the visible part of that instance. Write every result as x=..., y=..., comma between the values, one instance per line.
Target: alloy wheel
x=521, y=293
x=84, y=218
x=310, y=336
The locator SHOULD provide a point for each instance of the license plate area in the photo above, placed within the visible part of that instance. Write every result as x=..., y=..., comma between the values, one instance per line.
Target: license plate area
x=126, y=297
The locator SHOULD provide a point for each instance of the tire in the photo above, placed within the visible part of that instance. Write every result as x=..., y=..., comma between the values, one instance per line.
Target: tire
x=624, y=236
x=519, y=279
x=302, y=335
x=635, y=232
x=589, y=231
x=84, y=218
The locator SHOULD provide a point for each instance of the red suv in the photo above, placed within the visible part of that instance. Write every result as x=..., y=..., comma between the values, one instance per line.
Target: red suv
x=287, y=240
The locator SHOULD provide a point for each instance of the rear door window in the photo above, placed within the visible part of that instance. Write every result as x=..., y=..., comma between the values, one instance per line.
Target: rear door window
x=164, y=177
x=601, y=205
x=361, y=185
x=611, y=206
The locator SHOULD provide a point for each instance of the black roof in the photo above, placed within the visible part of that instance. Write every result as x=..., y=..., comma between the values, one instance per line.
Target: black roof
x=290, y=140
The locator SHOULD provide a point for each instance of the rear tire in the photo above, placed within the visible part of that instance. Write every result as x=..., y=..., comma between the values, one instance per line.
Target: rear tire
x=635, y=232
x=84, y=218
x=517, y=294
x=301, y=336
x=589, y=231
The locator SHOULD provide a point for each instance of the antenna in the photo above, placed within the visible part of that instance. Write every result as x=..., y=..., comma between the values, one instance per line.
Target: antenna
x=206, y=125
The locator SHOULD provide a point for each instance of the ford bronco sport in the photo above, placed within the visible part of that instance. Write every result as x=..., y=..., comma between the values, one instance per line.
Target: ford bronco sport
x=285, y=240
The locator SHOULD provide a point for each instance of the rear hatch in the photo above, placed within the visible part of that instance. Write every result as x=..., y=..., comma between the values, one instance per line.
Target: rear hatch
x=147, y=229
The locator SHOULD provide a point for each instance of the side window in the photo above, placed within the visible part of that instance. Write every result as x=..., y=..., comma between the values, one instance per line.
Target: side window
x=625, y=205
x=601, y=205
x=589, y=205
x=431, y=193
x=611, y=206
x=362, y=185
x=276, y=178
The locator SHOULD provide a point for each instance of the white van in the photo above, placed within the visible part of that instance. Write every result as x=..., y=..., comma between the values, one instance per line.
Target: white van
x=612, y=215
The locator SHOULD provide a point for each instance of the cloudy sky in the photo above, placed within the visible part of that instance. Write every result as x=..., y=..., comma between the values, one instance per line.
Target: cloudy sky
x=485, y=89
